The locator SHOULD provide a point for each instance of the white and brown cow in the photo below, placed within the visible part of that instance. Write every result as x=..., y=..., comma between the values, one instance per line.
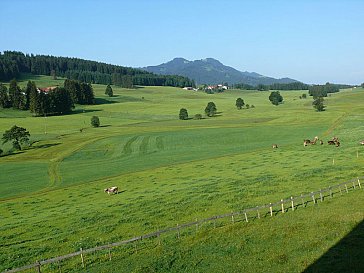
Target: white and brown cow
x=112, y=190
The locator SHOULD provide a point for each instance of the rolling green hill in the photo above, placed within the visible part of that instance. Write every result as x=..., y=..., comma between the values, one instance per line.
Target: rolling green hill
x=171, y=171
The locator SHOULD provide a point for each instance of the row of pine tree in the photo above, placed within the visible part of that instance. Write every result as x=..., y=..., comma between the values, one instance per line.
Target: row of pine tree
x=58, y=101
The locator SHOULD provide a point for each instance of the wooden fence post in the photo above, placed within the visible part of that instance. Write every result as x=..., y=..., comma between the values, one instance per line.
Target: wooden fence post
x=282, y=203
x=271, y=209
x=321, y=198
x=303, y=203
x=246, y=217
x=258, y=212
x=178, y=233
x=313, y=198
x=292, y=202
x=354, y=185
x=110, y=254
x=38, y=266
x=330, y=191
x=346, y=188
x=359, y=183
x=82, y=259
x=340, y=190
x=232, y=218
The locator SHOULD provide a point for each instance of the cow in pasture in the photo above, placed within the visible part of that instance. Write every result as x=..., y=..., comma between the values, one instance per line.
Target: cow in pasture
x=275, y=146
x=306, y=142
x=313, y=142
x=321, y=142
x=361, y=142
x=334, y=141
x=112, y=190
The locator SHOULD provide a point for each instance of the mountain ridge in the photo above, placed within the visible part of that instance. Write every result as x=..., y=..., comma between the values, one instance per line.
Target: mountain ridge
x=212, y=71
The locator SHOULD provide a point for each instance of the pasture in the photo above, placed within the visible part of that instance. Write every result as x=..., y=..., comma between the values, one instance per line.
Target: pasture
x=170, y=171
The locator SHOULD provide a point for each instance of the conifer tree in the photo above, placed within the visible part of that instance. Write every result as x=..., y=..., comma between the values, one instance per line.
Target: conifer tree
x=109, y=91
x=4, y=98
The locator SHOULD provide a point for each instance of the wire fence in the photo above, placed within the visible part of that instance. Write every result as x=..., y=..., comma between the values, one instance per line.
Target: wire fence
x=246, y=214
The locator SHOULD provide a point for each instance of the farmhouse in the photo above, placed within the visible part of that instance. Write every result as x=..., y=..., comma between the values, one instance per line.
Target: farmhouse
x=217, y=87
x=46, y=89
x=189, y=88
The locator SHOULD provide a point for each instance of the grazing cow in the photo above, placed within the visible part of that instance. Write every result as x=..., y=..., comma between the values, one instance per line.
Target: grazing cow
x=275, y=146
x=362, y=142
x=337, y=143
x=308, y=141
x=321, y=142
x=313, y=142
x=331, y=142
x=112, y=190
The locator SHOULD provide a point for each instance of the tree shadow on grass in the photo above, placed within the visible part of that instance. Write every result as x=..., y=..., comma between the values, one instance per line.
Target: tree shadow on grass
x=45, y=145
x=346, y=256
x=99, y=101
x=80, y=111
x=12, y=153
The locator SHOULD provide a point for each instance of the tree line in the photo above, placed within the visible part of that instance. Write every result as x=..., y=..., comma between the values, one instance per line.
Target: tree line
x=13, y=63
x=322, y=90
x=274, y=86
x=313, y=89
x=57, y=101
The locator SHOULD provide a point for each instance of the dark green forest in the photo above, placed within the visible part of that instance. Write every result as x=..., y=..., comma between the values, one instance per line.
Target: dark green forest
x=313, y=90
x=13, y=63
x=41, y=102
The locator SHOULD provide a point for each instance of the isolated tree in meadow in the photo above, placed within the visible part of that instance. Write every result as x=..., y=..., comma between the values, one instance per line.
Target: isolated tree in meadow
x=109, y=91
x=210, y=109
x=197, y=116
x=362, y=85
x=304, y=96
x=183, y=114
x=318, y=104
x=275, y=97
x=17, y=135
x=95, y=121
x=239, y=103
x=4, y=98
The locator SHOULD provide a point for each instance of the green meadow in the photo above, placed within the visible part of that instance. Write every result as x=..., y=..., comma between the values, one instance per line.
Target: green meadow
x=171, y=171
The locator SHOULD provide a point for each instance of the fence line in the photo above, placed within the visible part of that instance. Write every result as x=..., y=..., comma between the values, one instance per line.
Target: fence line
x=315, y=196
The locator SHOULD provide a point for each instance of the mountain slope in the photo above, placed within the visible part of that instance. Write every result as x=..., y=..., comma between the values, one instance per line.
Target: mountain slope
x=211, y=71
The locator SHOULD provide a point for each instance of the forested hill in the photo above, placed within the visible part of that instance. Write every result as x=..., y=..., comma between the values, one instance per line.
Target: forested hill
x=13, y=63
x=211, y=71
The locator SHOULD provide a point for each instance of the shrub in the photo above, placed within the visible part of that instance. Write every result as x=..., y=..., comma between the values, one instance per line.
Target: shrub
x=197, y=116
x=183, y=114
x=95, y=121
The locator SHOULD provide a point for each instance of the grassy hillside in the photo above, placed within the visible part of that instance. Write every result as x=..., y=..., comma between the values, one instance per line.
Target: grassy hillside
x=172, y=171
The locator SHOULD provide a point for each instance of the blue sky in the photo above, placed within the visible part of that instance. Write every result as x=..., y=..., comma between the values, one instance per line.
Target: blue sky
x=313, y=41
